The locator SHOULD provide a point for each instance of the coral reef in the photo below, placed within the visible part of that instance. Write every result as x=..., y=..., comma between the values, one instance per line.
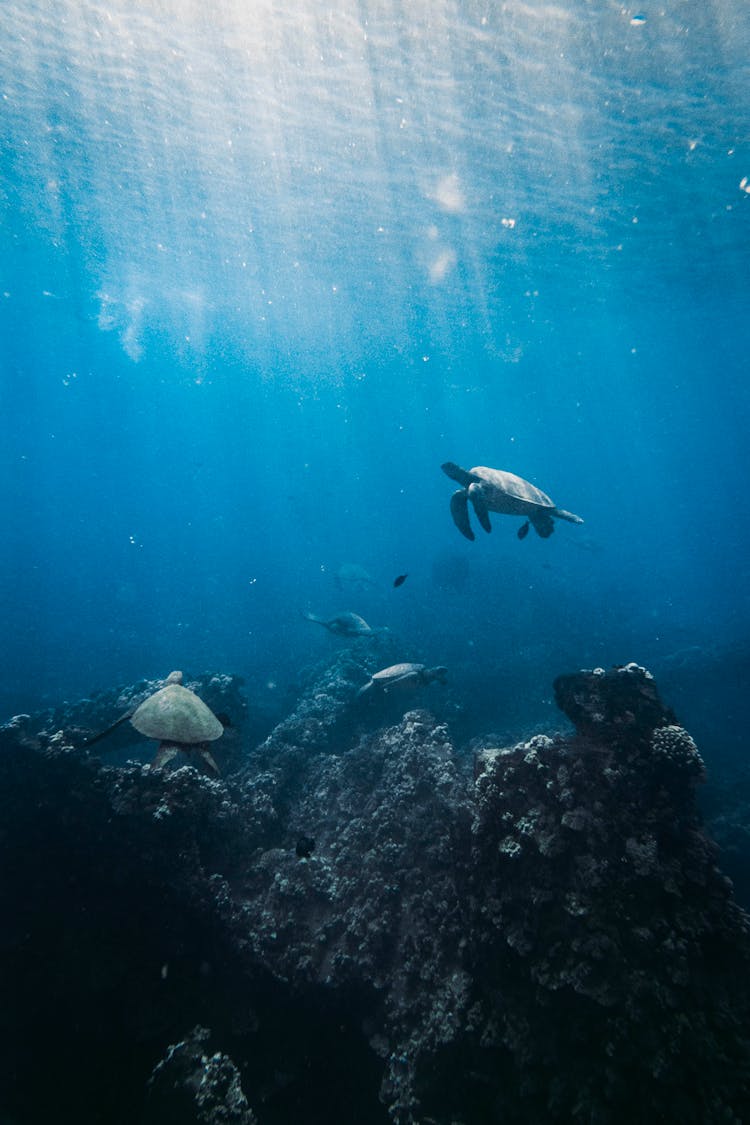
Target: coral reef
x=373, y=925
x=190, y=1087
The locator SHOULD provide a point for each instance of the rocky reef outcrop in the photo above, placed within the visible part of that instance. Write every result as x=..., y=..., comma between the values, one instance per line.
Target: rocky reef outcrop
x=359, y=921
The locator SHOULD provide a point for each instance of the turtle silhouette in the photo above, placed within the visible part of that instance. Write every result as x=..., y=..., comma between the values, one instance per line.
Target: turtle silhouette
x=344, y=624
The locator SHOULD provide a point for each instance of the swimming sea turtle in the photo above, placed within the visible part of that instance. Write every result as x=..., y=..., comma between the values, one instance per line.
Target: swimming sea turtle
x=400, y=676
x=180, y=720
x=494, y=490
x=343, y=624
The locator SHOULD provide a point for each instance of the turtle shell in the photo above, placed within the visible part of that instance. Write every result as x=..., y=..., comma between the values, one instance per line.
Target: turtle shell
x=514, y=486
x=350, y=623
x=395, y=671
x=176, y=714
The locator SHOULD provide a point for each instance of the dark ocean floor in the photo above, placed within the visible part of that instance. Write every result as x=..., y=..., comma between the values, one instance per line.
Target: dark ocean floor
x=366, y=917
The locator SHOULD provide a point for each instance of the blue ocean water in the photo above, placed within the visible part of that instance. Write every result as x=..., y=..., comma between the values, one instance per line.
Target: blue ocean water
x=266, y=267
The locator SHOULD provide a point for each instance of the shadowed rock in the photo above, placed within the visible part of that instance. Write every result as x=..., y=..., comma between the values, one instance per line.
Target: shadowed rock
x=537, y=933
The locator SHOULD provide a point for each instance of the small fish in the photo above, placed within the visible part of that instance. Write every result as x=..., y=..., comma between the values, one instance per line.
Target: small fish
x=523, y=530
x=400, y=580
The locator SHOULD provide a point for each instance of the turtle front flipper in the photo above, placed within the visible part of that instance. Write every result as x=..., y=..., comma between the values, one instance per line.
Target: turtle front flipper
x=108, y=730
x=476, y=495
x=460, y=512
x=314, y=617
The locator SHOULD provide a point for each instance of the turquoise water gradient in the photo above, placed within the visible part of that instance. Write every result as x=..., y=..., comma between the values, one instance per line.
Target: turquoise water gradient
x=264, y=270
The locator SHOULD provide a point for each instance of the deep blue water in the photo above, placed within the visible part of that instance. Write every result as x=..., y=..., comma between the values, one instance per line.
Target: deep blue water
x=264, y=270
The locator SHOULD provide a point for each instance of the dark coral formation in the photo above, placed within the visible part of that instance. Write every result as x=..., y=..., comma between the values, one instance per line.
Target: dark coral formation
x=612, y=706
x=192, y=1087
x=373, y=925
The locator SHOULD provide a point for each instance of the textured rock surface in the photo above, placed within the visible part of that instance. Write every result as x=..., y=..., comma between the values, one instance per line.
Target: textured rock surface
x=372, y=925
x=191, y=1087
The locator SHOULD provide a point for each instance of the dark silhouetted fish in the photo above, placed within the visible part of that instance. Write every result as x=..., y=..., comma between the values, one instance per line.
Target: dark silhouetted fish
x=400, y=580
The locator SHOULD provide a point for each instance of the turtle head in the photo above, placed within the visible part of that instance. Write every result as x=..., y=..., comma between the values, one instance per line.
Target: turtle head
x=439, y=673
x=456, y=473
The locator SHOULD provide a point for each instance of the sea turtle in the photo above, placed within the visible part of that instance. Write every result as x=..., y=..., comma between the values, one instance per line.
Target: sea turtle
x=343, y=624
x=494, y=490
x=180, y=720
x=402, y=676
x=177, y=717
x=354, y=579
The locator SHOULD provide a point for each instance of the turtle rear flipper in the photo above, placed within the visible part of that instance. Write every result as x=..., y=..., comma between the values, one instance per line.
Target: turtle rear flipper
x=456, y=473
x=476, y=495
x=543, y=523
x=209, y=759
x=164, y=755
x=571, y=517
x=460, y=512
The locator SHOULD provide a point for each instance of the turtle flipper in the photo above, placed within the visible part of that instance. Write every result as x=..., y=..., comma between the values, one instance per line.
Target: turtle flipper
x=314, y=617
x=108, y=730
x=166, y=752
x=209, y=759
x=476, y=495
x=543, y=523
x=456, y=473
x=460, y=512
x=523, y=530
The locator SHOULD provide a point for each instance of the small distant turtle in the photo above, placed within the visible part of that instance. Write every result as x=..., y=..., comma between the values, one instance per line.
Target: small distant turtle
x=402, y=676
x=353, y=578
x=343, y=624
x=494, y=490
x=179, y=720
